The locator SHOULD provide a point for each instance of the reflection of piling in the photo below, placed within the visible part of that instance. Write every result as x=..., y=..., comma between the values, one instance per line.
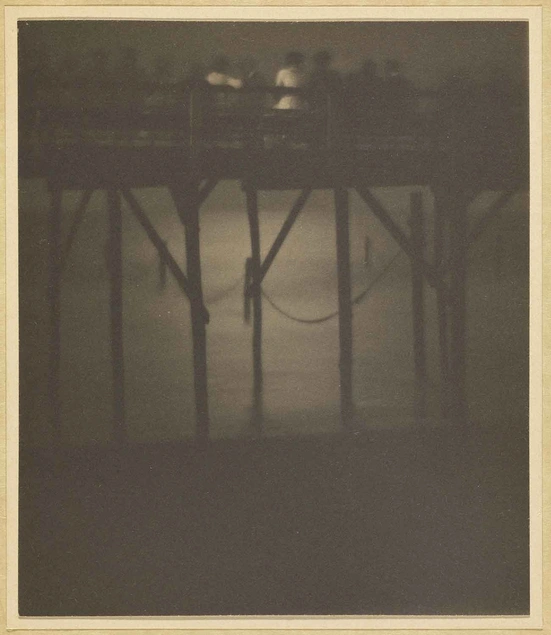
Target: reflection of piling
x=458, y=202
x=367, y=252
x=54, y=297
x=440, y=216
x=115, y=271
x=162, y=268
x=417, y=297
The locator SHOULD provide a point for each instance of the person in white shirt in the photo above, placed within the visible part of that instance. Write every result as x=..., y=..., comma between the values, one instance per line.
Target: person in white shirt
x=291, y=76
x=219, y=75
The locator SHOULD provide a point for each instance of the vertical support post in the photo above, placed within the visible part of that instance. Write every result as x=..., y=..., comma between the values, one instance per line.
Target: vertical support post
x=458, y=305
x=256, y=294
x=54, y=299
x=418, y=308
x=116, y=307
x=188, y=204
x=440, y=226
x=345, y=303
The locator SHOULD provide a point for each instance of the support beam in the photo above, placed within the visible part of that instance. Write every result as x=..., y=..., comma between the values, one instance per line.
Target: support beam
x=79, y=215
x=440, y=243
x=206, y=190
x=458, y=306
x=399, y=236
x=417, y=226
x=283, y=233
x=116, y=309
x=54, y=300
x=161, y=247
x=345, y=304
x=256, y=295
x=187, y=201
x=492, y=213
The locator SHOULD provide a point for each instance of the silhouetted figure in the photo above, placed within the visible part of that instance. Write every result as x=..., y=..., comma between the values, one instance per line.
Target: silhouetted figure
x=291, y=76
x=323, y=78
x=219, y=74
x=129, y=71
x=196, y=76
x=364, y=96
x=163, y=70
x=398, y=98
x=252, y=77
x=98, y=79
x=252, y=102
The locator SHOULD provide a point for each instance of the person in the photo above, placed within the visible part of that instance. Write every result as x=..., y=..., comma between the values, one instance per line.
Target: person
x=324, y=79
x=219, y=74
x=364, y=90
x=254, y=101
x=291, y=76
x=398, y=93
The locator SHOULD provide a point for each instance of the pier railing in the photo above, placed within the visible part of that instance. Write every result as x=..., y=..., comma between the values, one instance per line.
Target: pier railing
x=203, y=120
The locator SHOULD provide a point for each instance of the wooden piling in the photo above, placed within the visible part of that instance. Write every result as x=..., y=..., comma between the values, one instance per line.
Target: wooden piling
x=116, y=309
x=54, y=299
x=458, y=305
x=417, y=298
x=440, y=227
x=256, y=295
x=188, y=203
x=345, y=304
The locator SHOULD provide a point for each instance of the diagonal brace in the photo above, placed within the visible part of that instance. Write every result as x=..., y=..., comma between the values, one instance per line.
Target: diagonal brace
x=283, y=233
x=161, y=247
x=202, y=194
x=494, y=210
x=400, y=237
x=78, y=217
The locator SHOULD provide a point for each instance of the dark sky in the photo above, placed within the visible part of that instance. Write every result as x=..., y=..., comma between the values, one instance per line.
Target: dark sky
x=428, y=51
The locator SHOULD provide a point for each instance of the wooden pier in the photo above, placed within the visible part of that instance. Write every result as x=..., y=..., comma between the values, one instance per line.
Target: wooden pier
x=206, y=136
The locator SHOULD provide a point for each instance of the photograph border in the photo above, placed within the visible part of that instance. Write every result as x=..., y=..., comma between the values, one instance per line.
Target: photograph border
x=539, y=230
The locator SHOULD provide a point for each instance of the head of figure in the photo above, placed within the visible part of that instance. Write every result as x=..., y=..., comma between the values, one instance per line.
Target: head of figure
x=294, y=59
x=392, y=68
x=322, y=59
x=220, y=64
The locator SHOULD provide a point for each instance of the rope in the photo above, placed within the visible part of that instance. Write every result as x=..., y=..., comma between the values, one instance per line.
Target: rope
x=355, y=301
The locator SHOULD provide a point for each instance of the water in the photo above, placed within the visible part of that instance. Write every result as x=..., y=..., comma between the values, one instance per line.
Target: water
x=300, y=361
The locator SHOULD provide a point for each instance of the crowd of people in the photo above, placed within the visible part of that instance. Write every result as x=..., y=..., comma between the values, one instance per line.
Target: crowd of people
x=125, y=80
x=100, y=80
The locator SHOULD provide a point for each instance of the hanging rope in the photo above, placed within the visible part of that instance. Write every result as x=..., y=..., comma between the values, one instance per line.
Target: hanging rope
x=355, y=301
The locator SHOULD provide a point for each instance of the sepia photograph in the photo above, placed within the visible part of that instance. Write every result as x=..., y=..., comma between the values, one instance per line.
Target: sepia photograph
x=274, y=290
